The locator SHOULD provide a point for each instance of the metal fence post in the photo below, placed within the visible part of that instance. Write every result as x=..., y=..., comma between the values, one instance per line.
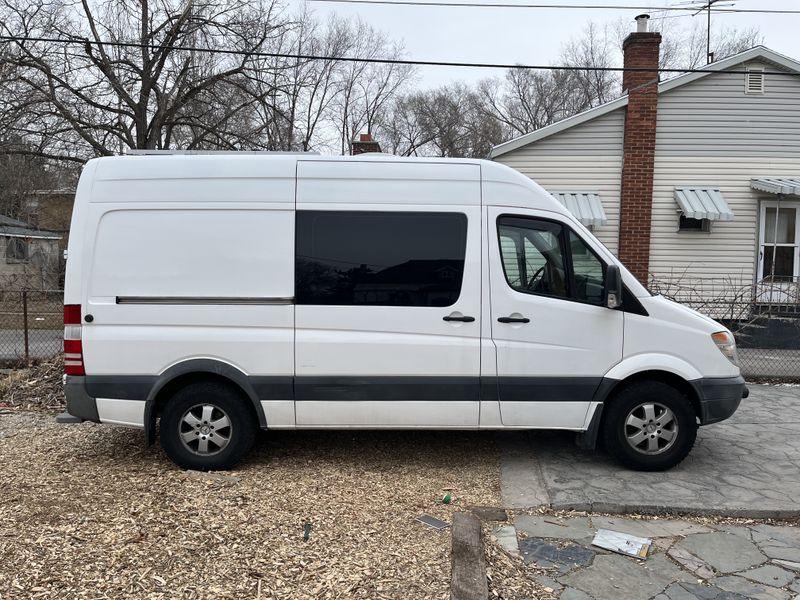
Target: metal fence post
x=25, y=326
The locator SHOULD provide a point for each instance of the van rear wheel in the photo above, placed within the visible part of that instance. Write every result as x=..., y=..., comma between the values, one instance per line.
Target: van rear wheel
x=649, y=426
x=206, y=426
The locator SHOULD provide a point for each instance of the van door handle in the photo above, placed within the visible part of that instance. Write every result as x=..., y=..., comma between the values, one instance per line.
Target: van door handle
x=513, y=320
x=459, y=318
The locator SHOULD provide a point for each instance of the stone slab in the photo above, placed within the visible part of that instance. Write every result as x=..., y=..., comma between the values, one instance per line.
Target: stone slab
x=725, y=552
x=571, y=528
x=778, y=542
x=747, y=466
x=506, y=537
x=692, y=591
x=769, y=575
x=613, y=577
x=573, y=594
x=549, y=582
x=650, y=528
x=794, y=566
x=546, y=555
x=522, y=484
x=756, y=591
x=690, y=562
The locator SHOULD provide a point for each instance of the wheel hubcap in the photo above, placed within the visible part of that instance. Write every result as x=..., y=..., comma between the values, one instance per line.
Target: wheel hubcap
x=651, y=428
x=205, y=429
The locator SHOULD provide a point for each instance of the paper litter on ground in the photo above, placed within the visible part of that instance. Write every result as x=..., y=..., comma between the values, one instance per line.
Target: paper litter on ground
x=622, y=543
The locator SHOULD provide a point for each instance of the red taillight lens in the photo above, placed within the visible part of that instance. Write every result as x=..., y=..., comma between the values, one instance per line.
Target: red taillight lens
x=72, y=314
x=73, y=347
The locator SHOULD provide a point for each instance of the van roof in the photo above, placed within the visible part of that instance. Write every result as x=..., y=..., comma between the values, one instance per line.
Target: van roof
x=257, y=165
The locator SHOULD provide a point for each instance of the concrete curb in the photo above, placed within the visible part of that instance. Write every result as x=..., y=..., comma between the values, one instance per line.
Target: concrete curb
x=468, y=579
x=618, y=508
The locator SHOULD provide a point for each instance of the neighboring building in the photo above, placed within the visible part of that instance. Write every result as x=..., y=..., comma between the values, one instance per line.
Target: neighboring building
x=31, y=258
x=50, y=210
x=682, y=179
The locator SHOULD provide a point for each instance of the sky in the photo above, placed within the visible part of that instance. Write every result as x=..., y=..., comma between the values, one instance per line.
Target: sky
x=528, y=35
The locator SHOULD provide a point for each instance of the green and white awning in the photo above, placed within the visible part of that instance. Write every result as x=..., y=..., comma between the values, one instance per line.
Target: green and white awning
x=703, y=203
x=584, y=206
x=784, y=186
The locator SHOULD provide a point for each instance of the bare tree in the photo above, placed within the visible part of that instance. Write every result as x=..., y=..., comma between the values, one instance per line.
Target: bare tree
x=366, y=88
x=97, y=97
x=685, y=47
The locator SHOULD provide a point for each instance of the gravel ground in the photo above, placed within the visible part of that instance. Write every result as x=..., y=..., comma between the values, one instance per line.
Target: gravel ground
x=87, y=511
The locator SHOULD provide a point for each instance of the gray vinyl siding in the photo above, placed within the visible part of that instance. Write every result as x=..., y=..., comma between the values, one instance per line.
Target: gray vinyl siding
x=586, y=158
x=714, y=117
x=710, y=132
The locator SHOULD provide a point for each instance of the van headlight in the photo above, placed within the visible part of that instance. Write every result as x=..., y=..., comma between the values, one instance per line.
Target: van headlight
x=726, y=345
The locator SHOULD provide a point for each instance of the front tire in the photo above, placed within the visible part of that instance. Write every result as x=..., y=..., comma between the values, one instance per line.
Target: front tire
x=207, y=426
x=649, y=426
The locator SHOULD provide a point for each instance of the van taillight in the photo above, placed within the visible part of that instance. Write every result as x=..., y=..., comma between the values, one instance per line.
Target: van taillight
x=73, y=347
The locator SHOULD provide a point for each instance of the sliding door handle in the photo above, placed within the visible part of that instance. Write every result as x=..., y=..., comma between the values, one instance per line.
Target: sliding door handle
x=513, y=320
x=461, y=318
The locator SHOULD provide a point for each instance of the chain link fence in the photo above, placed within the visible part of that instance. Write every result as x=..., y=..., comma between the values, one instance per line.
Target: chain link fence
x=764, y=317
x=31, y=326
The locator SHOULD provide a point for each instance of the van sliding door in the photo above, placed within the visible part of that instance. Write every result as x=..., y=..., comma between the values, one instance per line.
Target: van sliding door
x=387, y=287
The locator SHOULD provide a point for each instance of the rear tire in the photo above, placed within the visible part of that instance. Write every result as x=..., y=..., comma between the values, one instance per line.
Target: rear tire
x=649, y=426
x=207, y=426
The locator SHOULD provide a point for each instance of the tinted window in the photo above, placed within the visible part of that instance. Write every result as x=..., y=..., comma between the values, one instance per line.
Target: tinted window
x=379, y=258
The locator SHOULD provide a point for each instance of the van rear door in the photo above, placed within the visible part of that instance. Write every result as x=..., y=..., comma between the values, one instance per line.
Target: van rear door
x=387, y=287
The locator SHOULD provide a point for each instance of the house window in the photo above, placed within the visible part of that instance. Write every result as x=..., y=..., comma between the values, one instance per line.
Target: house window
x=688, y=224
x=379, y=258
x=17, y=250
x=754, y=81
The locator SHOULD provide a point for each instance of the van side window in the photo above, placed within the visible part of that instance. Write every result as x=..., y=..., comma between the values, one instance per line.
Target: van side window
x=589, y=271
x=379, y=258
x=533, y=256
x=547, y=258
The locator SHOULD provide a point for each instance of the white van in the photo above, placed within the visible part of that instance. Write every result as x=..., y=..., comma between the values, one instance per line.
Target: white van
x=209, y=295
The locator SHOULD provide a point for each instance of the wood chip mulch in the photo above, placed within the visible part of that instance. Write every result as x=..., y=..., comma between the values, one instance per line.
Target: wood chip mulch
x=86, y=511
x=36, y=388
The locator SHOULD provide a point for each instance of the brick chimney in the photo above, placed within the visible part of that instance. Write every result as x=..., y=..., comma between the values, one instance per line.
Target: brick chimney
x=364, y=144
x=641, y=51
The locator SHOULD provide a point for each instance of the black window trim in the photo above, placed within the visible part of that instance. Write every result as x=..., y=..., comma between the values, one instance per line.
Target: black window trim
x=389, y=210
x=565, y=228
x=630, y=303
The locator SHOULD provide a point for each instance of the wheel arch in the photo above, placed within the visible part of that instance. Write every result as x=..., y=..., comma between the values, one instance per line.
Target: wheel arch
x=193, y=371
x=610, y=386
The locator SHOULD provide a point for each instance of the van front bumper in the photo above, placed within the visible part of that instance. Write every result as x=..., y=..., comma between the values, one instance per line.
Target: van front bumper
x=719, y=397
x=79, y=403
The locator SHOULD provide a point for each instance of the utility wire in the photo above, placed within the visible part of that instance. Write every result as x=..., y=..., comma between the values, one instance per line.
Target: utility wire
x=686, y=9
x=354, y=59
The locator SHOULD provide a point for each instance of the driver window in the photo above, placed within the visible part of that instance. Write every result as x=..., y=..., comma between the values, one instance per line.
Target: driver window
x=533, y=256
x=590, y=271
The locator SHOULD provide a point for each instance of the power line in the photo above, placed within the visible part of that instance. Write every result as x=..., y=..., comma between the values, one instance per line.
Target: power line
x=354, y=59
x=686, y=9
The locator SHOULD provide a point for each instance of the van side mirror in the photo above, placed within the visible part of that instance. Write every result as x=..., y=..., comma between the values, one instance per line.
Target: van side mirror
x=613, y=289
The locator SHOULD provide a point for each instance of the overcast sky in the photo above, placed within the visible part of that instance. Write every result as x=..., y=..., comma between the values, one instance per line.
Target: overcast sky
x=533, y=36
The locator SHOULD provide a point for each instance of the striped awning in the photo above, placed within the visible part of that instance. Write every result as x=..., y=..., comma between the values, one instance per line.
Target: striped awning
x=703, y=203
x=785, y=186
x=585, y=206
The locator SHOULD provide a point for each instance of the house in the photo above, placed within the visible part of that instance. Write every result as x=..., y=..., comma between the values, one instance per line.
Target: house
x=683, y=178
x=30, y=259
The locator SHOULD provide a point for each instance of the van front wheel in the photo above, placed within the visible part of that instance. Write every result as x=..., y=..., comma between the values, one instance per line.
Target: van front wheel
x=649, y=426
x=206, y=426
